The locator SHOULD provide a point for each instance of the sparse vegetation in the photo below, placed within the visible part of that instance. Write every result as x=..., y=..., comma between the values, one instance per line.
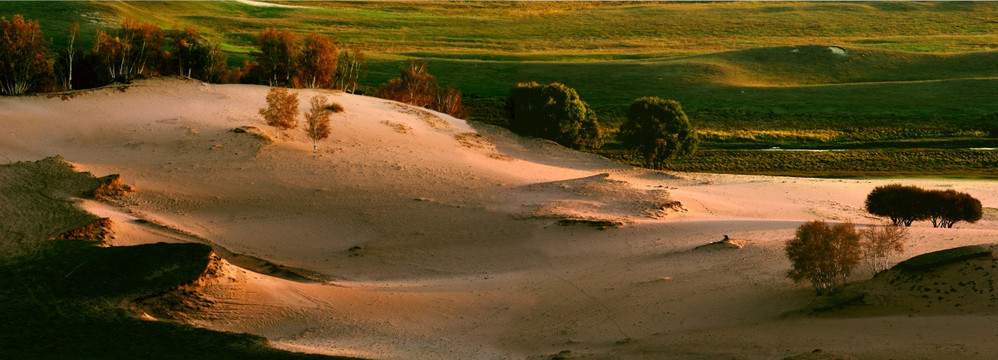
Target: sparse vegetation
x=554, y=112
x=823, y=254
x=657, y=129
x=282, y=109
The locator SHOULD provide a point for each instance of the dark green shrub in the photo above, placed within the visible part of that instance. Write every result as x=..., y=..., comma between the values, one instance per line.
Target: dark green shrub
x=657, y=129
x=554, y=112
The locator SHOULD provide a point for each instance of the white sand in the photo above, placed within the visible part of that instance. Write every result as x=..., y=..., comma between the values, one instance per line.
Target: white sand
x=460, y=255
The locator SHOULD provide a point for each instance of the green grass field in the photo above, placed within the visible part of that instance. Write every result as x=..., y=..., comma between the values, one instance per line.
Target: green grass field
x=888, y=73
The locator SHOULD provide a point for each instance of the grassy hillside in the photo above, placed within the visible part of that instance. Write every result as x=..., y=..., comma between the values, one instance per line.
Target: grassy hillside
x=892, y=71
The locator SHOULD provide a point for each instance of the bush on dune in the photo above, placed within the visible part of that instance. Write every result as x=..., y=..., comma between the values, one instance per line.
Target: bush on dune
x=553, y=112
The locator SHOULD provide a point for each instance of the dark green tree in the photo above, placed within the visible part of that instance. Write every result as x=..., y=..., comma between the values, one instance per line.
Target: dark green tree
x=658, y=130
x=902, y=204
x=554, y=112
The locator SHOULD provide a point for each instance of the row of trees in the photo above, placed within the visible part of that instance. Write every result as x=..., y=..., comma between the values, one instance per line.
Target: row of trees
x=907, y=204
x=825, y=254
x=141, y=49
x=315, y=61
x=656, y=129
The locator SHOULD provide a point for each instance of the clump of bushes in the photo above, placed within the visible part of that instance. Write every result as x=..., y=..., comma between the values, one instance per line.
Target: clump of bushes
x=553, y=112
x=907, y=204
x=415, y=86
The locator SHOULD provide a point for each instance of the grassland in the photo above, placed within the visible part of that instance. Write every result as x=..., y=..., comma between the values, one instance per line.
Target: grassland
x=906, y=71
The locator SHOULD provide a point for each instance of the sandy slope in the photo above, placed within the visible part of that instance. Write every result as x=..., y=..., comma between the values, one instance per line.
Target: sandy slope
x=459, y=252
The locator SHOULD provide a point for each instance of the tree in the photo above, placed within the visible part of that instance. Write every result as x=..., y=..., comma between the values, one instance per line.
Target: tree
x=416, y=86
x=350, y=69
x=880, y=242
x=71, y=34
x=277, y=51
x=317, y=62
x=947, y=207
x=132, y=50
x=554, y=112
x=657, y=129
x=823, y=254
x=317, y=119
x=902, y=204
x=282, y=109
x=24, y=62
x=906, y=204
x=196, y=57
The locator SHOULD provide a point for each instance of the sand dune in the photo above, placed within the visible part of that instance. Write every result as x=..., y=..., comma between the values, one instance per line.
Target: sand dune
x=440, y=239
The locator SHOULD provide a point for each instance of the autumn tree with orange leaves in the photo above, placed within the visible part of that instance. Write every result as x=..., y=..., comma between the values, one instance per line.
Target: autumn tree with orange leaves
x=24, y=62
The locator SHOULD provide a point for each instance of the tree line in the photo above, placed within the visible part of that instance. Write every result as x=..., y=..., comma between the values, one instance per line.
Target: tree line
x=136, y=49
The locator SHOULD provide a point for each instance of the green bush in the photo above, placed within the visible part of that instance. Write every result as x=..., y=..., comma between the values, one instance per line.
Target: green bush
x=657, y=129
x=554, y=112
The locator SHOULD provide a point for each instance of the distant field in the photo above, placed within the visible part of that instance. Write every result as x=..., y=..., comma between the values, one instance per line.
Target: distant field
x=875, y=73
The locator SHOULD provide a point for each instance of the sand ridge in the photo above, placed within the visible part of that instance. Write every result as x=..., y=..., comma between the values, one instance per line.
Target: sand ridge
x=440, y=240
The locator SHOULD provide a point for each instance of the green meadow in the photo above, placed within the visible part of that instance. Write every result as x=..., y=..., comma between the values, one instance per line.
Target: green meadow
x=890, y=76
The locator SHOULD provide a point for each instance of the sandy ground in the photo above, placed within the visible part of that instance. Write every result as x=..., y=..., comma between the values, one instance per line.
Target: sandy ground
x=440, y=238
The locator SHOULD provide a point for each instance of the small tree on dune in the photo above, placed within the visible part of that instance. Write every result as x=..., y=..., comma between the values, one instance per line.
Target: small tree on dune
x=317, y=119
x=24, y=62
x=880, y=242
x=282, y=109
x=823, y=254
x=657, y=129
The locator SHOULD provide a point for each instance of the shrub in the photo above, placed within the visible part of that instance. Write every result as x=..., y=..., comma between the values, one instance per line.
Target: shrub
x=823, y=254
x=416, y=86
x=24, y=62
x=657, y=129
x=282, y=109
x=879, y=242
x=553, y=112
x=317, y=119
